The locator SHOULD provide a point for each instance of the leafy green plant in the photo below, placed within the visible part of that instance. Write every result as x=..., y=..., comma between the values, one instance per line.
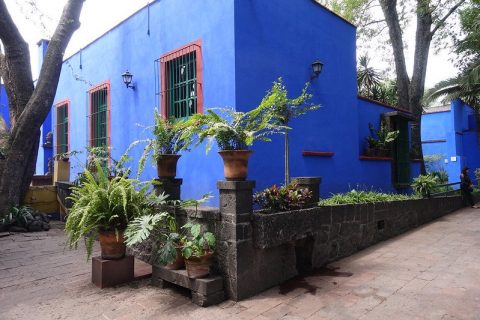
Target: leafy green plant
x=163, y=224
x=197, y=243
x=361, y=196
x=285, y=109
x=423, y=185
x=284, y=198
x=100, y=204
x=18, y=216
x=232, y=130
x=169, y=138
x=381, y=138
x=477, y=175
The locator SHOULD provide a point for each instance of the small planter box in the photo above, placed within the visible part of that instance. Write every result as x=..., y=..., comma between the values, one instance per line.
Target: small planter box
x=205, y=292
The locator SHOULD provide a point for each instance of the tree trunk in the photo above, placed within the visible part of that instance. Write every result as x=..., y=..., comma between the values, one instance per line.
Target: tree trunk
x=287, y=159
x=28, y=106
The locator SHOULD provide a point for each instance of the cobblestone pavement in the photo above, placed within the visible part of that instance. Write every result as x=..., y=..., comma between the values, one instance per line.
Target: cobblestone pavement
x=432, y=272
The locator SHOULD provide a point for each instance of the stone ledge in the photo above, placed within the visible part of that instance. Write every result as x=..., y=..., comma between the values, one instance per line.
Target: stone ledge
x=205, y=291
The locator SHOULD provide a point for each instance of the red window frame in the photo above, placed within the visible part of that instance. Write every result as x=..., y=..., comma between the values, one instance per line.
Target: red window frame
x=100, y=86
x=174, y=54
x=57, y=105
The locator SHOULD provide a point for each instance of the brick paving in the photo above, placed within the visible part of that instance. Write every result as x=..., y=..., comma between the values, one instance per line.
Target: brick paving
x=432, y=272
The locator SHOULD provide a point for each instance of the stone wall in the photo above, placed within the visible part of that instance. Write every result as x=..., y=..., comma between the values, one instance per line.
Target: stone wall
x=256, y=251
x=324, y=234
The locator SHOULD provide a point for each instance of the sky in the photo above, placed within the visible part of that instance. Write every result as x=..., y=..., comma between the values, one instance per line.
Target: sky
x=99, y=16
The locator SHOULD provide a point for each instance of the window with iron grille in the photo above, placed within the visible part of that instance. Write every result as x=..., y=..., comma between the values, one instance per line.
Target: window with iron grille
x=62, y=127
x=181, y=82
x=99, y=116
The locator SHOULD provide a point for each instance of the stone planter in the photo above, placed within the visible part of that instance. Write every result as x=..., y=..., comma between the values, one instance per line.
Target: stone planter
x=113, y=247
x=235, y=164
x=167, y=165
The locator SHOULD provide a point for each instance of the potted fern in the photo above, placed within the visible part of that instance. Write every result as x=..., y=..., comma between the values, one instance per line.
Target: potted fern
x=234, y=133
x=103, y=207
x=168, y=141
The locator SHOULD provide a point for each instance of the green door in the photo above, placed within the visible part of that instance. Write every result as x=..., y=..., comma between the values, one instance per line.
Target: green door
x=401, y=154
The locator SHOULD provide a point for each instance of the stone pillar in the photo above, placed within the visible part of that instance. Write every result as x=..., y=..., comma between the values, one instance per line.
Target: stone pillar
x=170, y=186
x=313, y=184
x=61, y=171
x=235, y=244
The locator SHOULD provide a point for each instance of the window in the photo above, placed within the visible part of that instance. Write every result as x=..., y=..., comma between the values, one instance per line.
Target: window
x=62, y=127
x=181, y=78
x=99, y=116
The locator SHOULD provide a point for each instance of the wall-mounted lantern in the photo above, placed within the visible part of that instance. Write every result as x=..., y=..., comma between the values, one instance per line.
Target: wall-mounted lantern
x=127, y=79
x=317, y=67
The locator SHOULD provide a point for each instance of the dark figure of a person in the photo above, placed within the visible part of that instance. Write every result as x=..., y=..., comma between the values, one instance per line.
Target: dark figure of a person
x=466, y=186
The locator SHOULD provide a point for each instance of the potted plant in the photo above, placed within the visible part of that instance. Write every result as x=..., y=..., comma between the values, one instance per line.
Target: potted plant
x=284, y=198
x=103, y=207
x=168, y=252
x=379, y=142
x=168, y=141
x=197, y=249
x=163, y=226
x=234, y=133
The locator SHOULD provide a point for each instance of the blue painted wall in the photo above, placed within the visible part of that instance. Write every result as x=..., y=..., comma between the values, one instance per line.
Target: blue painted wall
x=128, y=46
x=4, y=105
x=452, y=134
x=246, y=45
x=281, y=39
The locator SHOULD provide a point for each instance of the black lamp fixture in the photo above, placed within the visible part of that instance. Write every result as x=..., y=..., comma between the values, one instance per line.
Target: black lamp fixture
x=317, y=67
x=127, y=79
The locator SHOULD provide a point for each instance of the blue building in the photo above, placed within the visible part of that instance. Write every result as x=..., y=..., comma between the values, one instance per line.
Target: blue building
x=450, y=139
x=228, y=53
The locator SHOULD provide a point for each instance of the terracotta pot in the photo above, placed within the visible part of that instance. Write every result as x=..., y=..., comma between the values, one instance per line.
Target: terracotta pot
x=199, y=267
x=113, y=248
x=167, y=165
x=179, y=262
x=235, y=164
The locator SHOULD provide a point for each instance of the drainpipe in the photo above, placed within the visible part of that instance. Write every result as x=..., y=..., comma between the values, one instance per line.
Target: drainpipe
x=46, y=142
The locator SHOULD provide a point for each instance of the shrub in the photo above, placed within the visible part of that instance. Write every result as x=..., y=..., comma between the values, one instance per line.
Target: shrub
x=17, y=216
x=285, y=198
x=477, y=175
x=360, y=196
x=424, y=184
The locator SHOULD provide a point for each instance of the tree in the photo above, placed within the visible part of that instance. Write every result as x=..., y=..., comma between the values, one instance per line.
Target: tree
x=466, y=85
x=28, y=105
x=431, y=16
x=285, y=109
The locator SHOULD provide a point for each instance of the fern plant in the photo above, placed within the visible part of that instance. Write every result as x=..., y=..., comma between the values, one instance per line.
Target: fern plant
x=168, y=138
x=100, y=204
x=232, y=130
x=424, y=184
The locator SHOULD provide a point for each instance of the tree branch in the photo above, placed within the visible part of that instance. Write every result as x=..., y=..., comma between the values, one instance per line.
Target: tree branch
x=445, y=17
x=42, y=97
x=17, y=73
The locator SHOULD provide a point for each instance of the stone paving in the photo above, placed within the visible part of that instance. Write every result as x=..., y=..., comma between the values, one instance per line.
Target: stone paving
x=432, y=272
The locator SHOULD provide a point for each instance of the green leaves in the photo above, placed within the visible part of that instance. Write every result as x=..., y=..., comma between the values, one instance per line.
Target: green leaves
x=196, y=244
x=361, y=196
x=101, y=204
x=424, y=184
x=285, y=198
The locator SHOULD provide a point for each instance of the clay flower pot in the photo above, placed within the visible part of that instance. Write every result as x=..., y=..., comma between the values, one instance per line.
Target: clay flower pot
x=199, y=267
x=167, y=165
x=235, y=164
x=179, y=262
x=112, y=248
